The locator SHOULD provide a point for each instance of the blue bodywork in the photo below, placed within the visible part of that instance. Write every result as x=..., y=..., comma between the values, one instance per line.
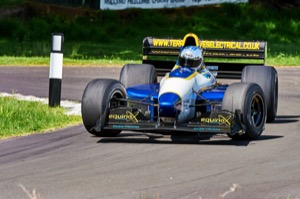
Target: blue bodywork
x=149, y=92
x=181, y=72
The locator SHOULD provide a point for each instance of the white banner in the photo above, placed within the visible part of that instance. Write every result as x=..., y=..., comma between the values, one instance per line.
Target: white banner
x=124, y=4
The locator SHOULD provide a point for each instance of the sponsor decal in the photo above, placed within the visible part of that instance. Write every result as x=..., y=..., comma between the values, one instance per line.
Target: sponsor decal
x=218, y=54
x=231, y=45
x=164, y=52
x=128, y=117
x=221, y=120
x=125, y=127
x=207, y=129
x=167, y=42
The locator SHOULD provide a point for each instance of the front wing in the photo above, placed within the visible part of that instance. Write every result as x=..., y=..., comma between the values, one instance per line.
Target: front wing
x=214, y=122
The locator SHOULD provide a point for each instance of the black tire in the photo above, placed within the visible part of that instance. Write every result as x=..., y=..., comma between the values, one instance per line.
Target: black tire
x=134, y=74
x=249, y=98
x=95, y=99
x=266, y=77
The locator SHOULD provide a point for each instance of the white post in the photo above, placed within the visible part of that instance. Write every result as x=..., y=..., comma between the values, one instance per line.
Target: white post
x=55, y=72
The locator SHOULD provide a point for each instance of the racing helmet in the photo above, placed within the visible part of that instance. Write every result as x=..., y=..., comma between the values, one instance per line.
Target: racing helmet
x=190, y=56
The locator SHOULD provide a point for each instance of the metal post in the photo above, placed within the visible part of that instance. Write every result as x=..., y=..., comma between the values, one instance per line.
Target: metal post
x=55, y=72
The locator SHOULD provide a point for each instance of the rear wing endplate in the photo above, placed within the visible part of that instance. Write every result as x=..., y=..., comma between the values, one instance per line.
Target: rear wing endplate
x=227, y=58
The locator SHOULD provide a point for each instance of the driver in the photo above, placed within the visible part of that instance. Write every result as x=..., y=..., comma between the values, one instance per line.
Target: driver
x=191, y=57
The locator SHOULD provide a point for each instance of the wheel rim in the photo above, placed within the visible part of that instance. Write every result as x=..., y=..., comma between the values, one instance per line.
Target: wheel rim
x=117, y=94
x=257, y=110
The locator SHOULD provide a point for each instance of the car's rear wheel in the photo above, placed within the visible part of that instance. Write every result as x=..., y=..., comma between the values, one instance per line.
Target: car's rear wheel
x=134, y=74
x=249, y=99
x=96, y=100
x=266, y=77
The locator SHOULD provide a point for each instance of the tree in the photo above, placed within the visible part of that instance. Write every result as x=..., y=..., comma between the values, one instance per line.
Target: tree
x=276, y=3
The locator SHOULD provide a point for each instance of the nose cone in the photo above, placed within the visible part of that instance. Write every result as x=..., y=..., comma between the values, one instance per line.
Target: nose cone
x=167, y=103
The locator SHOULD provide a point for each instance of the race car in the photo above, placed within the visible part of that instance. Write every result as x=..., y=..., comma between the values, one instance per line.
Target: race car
x=163, y=97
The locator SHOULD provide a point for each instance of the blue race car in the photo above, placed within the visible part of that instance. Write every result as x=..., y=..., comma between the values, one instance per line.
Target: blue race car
x=188, y=99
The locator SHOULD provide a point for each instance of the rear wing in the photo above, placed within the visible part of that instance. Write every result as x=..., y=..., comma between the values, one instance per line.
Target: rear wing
x=227, y=58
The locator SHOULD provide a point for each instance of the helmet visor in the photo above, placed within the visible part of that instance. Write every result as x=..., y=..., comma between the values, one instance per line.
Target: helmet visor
x=189, y=62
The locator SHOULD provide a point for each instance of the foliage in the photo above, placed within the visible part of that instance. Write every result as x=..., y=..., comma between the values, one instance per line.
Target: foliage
x=23, y=117
x=9, y=3
x=119, y=34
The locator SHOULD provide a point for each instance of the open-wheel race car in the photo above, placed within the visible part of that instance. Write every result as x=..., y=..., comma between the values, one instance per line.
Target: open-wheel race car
x=188, y=100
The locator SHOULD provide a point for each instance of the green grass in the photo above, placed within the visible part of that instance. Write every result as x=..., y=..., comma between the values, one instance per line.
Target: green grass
x=24, y=117
x=45, y=61
x=117, y=35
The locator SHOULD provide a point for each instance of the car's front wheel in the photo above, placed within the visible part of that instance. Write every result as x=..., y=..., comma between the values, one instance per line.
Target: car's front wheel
x=249, y=99
x=96, y=100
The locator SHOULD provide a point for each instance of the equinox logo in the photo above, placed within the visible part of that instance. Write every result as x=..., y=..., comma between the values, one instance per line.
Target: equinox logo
x=218, y=120
x=128, y=116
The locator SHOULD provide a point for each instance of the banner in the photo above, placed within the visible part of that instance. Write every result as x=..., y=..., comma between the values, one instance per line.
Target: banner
x=150, y=4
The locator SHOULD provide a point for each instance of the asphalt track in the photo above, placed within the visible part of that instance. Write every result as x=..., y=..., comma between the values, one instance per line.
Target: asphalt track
x=70, y=163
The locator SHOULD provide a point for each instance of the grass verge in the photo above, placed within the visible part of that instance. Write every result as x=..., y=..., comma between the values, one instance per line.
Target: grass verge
x=45, y=61
x=20, y=117
x=280, y=60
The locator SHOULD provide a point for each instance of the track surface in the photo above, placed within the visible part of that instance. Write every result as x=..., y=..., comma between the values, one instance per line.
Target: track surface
x=70, y=163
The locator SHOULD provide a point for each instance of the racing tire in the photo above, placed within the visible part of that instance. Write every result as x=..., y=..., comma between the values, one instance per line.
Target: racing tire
x=95, y=103
x=266, y=77
x=249, y=99
x=135, y=74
